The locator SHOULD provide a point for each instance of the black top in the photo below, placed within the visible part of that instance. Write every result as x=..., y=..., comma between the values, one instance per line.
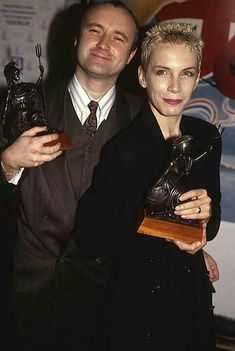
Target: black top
x=130, y=164
x=158, y=297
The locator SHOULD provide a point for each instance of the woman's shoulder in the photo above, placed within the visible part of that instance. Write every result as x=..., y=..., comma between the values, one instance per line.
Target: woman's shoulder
x=200, y=126
x=206, y=135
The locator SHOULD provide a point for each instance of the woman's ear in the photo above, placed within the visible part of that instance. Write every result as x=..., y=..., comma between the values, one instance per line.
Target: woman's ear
x=197, y=81
x=141, y=76
x=75, y=42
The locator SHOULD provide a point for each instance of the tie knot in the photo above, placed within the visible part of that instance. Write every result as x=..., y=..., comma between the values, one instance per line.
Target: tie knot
x=93, y=106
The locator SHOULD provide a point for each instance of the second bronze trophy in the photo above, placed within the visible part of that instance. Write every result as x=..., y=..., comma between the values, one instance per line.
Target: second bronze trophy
x=157, y=218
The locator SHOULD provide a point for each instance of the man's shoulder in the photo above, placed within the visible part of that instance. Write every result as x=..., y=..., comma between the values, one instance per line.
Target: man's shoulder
x=54, y=90
x=129, y=96
x=128, y=139
x=134, y=101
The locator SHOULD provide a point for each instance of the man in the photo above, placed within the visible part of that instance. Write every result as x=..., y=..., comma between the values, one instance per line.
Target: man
x=46, y=275
x=57, y=287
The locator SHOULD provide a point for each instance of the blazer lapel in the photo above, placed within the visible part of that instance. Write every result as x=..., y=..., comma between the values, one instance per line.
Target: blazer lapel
x=51, y=170
x=120, y=115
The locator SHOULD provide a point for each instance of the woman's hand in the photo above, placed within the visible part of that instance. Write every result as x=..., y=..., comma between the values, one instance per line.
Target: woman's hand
x=192, y=248
x=196, y=204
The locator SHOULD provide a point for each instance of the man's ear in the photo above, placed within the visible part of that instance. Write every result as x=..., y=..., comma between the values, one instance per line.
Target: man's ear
x=141, y=76
x=132, y=54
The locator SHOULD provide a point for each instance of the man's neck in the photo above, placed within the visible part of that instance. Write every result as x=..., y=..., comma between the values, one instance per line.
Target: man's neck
x=95, y=87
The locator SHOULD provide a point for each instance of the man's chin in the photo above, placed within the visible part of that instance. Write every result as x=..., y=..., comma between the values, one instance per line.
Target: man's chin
x=100, y=72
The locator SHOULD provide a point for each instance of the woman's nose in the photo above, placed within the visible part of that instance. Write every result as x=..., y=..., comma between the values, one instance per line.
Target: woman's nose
x=174, y=85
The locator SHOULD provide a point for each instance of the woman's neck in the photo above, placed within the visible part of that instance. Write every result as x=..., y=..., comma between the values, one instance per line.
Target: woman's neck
x=170, y=126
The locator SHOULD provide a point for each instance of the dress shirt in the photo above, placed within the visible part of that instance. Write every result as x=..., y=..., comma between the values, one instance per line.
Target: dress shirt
x=17, y=177
x=80, y=99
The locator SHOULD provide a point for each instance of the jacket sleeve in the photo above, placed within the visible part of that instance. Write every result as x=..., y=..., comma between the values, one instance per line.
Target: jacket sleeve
x=207, y=176
x=213, y=186
x=6, y=189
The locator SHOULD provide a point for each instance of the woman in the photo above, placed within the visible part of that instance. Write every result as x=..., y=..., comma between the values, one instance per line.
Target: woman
x=159, y=295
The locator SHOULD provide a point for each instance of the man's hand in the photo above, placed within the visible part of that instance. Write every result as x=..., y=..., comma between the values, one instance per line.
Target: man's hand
x=212, y=268
x=29, y=151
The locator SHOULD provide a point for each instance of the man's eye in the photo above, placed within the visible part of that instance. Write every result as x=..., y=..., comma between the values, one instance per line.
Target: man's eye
x=161, y=72
x=94, y=30
x=119, y=38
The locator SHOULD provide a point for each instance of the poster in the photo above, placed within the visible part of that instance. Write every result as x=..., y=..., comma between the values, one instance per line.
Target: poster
x=24, y=24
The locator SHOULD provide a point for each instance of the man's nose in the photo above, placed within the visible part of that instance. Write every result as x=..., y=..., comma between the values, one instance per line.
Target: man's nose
x=104, y=41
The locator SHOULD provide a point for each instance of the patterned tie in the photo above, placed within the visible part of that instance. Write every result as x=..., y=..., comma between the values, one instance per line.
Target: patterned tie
x=90, y=125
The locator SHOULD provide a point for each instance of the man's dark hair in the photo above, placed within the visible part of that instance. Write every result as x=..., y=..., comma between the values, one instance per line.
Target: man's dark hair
x=115, y=3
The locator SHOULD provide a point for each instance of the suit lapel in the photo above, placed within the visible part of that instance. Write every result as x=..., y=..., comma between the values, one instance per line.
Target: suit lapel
x=120, y=115
x=55, y=171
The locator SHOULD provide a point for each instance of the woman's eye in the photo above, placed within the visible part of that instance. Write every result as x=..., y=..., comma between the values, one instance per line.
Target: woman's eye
x=188, y=74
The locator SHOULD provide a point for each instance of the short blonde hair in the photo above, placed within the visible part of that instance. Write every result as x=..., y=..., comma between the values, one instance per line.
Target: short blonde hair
x=172, y=33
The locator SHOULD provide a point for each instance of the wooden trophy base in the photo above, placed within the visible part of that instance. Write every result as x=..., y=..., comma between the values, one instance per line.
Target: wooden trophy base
x=170, y=230
x=65, y=141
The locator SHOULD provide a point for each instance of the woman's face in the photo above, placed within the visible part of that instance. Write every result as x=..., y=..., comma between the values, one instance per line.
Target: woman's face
x=170, y=78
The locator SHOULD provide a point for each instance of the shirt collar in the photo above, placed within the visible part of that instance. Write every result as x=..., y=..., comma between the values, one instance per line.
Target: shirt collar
x=80, y=99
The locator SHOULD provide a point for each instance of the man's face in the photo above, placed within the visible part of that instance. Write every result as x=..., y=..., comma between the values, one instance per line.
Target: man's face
x=105, y=41
x=170, y=78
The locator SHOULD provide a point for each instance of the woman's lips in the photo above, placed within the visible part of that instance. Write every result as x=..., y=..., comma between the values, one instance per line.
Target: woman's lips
x=173, y=101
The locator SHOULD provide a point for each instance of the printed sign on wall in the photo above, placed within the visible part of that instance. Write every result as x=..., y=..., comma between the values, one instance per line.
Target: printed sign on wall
x=24, y=24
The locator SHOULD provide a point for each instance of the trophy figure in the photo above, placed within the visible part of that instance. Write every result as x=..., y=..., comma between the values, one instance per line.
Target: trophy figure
x=158, y=218
x=22, y=108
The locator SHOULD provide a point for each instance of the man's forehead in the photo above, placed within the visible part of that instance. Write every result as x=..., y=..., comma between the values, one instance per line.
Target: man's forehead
x=105, y=12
